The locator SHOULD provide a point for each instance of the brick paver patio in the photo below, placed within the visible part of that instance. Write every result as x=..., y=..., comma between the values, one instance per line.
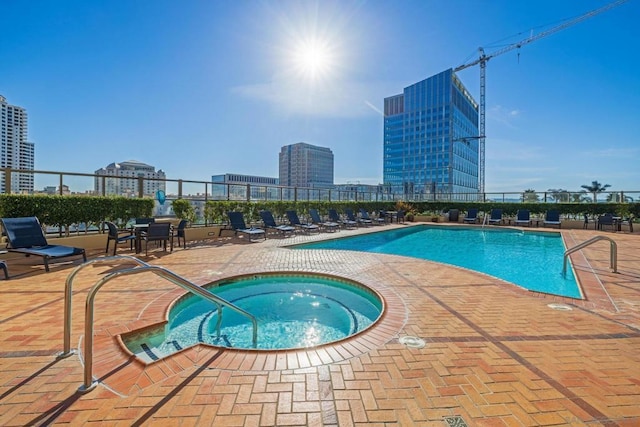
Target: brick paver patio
x=495, y=354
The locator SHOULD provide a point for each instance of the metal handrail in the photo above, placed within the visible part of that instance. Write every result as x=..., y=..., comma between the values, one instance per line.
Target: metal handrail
x=89, y=384
x=613, y=254
x=68, y=292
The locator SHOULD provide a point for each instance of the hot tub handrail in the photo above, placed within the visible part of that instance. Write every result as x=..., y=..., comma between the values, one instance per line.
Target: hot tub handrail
x=89, y=384
x=68, y=293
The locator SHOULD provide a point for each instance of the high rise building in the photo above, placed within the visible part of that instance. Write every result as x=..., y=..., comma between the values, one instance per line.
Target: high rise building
x=122, y=179
x=15, y=151
x=431, y=140
x=306, y=165
x=233, y=186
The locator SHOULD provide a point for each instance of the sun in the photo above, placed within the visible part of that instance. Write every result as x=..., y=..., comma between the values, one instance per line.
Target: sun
x=312, y=58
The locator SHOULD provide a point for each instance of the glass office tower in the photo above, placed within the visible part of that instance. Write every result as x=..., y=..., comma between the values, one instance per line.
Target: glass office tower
x=431, y=141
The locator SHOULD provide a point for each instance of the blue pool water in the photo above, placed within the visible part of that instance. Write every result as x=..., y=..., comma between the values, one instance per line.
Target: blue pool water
x=529, y=259
x=292, y=311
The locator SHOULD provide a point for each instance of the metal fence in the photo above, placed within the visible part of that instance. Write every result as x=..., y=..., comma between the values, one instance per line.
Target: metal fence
x=199, y=192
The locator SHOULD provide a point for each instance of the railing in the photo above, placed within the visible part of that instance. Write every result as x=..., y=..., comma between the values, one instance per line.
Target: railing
x=613, y=253
x=89, y=384
x=63, y=183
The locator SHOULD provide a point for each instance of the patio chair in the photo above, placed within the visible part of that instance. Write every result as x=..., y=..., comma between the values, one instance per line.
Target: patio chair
x=471, y=217
x=523, y=217
x=118, y=237
x=333, y=216
x=606, y=220
x=400, y=216
x=295, y=221
x=143, y=221
x=159, y=232
x=324, y=225
x=25, y=236
x=495, y=217
x=552, y=217
x=238, y=226
x=179, y=233
x=270, y=223
x=585, y=225
x=626, y=222
x=453, y=215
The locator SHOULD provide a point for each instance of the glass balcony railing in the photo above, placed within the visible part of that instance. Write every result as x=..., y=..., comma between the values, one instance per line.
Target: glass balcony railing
x=199, y=192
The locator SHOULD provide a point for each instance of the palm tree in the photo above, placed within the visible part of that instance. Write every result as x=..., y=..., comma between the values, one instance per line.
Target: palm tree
x=559, y=195
x=615, y=197
x=595, y=188
x=530, y=195
x=580, y=197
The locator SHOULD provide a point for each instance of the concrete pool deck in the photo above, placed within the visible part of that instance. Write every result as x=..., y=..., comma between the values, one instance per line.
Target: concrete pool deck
x=495, y=354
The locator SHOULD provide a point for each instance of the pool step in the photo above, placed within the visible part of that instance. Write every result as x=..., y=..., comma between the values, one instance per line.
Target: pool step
x=153, y=356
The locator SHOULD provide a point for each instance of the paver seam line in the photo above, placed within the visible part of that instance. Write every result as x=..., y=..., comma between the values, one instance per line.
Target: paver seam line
x=584, y=405
x=29, y=378
x=586, y=260
x=609, y=319
x=38, y=307
x=174, y=392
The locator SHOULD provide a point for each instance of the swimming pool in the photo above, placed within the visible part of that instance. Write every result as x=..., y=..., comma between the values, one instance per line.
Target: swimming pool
x=292, y=311
x=529, y=259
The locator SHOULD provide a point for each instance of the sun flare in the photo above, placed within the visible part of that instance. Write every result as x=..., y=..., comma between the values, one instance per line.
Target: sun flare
x=313, y=59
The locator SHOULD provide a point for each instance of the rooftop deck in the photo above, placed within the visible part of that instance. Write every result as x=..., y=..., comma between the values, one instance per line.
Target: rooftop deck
x=495, y=354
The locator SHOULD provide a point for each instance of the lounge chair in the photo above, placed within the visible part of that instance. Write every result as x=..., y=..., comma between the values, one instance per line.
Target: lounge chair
x=25, y=236
x=523, y=217
x=351, y=217
x=383, y=217
x=324, y=225
x=471, y=217
x=496, y=217
x=552, y=217
x=238, y=226
x=270, y=223
x=295, y=221
x=3, y=266
x=364, y=217
x=333, y=216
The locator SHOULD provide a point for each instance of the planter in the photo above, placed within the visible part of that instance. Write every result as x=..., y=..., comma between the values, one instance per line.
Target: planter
x=202, y=233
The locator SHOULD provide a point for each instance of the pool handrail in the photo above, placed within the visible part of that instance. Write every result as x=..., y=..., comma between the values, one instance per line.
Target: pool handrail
x=89, y=384
x=613, y=255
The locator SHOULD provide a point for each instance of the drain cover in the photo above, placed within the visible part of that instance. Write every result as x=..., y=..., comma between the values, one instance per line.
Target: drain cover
x=412, y=342
x=455, y=421
x=561, y=307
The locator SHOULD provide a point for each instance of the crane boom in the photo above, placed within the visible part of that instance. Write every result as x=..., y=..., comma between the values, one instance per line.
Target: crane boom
x=483, y=58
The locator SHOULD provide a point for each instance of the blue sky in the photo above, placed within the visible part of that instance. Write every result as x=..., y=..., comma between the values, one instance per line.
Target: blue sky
x=198, y=88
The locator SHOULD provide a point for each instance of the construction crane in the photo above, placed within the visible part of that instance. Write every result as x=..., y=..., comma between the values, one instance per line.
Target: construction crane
x=484, y=58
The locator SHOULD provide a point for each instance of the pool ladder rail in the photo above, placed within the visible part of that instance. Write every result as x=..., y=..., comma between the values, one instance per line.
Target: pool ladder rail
x=613, y=254
x=89, y=384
